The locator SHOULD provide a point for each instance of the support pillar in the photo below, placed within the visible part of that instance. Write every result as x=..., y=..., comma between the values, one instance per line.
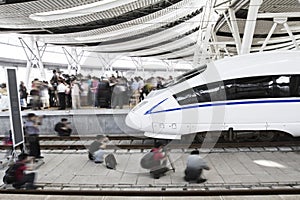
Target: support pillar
x=106, y=63
x=250, y=26
x=74, y=59
x=138, y=62
x=34, y=54
x=235, y=30
x=201, y=49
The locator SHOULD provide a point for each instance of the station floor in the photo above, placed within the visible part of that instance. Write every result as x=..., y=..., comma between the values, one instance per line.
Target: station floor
x=71, y=169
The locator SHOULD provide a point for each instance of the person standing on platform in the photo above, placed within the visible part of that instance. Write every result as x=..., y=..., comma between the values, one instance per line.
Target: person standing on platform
x=160, y=160
x=104, y=94
x=61, y=90
x=96, y=149
x=95, y=83
x=53, y=90
x=195, y=165
x=32, y=131
x=23, y=95
x=3, y=97
x=63, y=127
x=75, y=94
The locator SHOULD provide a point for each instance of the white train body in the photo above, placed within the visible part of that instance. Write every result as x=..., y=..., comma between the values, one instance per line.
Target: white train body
x=258, y=91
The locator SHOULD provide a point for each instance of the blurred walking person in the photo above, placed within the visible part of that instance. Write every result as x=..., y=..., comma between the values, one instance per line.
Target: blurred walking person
x=32, y=131
x=75, y=94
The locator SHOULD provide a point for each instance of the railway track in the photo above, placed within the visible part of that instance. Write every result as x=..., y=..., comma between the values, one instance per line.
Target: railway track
x=130, y=142
x=166, y=190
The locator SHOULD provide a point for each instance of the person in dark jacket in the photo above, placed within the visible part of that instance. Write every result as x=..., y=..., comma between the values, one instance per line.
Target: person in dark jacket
x=22, y=178
x=63, y=127
x=104, y=94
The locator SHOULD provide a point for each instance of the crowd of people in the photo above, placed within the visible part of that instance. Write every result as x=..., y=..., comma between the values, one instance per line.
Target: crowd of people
x=69, y=91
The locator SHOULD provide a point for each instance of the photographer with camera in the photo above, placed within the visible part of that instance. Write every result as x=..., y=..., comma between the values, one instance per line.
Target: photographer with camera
x=160, y=158
x=18, y=176
x=32, y=131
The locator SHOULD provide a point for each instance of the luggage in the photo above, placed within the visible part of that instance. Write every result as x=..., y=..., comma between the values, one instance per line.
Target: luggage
x=147, y=161
x=110, y=161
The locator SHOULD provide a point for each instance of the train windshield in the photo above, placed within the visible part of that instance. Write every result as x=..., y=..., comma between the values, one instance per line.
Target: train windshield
x=190, y=74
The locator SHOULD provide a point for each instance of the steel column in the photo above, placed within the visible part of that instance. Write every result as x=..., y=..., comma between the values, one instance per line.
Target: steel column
x=235, y=30
x=34, y=54
x=250, y=26
x=73, y=59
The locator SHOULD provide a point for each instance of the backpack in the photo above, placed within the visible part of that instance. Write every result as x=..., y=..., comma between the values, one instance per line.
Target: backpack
x=147, y=161
x=10, y=174
x=110, y=161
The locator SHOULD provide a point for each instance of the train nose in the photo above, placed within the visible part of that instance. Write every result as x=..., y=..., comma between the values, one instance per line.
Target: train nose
x=133, y=121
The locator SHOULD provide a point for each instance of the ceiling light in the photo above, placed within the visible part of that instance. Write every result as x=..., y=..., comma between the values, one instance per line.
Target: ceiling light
x=79, y=10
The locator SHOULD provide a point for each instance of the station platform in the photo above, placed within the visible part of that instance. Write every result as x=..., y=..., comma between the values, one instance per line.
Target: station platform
x=70, y=170
x=84, y=121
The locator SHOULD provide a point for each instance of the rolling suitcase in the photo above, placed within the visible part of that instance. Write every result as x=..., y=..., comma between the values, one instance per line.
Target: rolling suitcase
x=110, y=161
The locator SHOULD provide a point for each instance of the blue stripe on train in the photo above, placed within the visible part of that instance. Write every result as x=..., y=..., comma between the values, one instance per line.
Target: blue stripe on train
x=221, y=104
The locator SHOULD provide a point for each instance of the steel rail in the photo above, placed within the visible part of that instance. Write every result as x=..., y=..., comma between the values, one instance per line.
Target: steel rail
x=172, y=146
x=163, y=192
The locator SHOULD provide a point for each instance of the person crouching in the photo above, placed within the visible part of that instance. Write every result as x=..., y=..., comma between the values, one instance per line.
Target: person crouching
x=23, y=179
x=194, y=167
x=96, y=149
x=63, y=127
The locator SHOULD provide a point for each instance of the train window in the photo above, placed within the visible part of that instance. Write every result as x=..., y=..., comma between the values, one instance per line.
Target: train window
x=281, y=86
x=203, y=93
x=186, y=97
x=190, y=74
x=243, y=88
x=253, y=87
x=230, y=89
x=294, y=85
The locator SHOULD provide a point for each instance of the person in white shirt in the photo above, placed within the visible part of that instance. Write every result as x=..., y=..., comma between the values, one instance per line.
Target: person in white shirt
x=61, y=90
x=195, y=165
x=4, y=104
x=75, y=93
x=45, y=95
x=141, y=83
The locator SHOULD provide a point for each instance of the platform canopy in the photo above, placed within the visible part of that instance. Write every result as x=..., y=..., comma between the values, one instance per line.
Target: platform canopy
x=164, y=29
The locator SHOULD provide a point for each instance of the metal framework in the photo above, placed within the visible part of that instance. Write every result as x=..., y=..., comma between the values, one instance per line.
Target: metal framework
x=280, y=19
x=163, y=29
x=34, y=54
x=73, y=59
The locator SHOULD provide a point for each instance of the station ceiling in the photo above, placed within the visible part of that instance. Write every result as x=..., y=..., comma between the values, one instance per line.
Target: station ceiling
x=164, y=29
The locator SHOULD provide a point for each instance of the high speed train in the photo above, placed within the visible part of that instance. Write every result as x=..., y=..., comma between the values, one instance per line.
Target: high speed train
x=256, y=93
